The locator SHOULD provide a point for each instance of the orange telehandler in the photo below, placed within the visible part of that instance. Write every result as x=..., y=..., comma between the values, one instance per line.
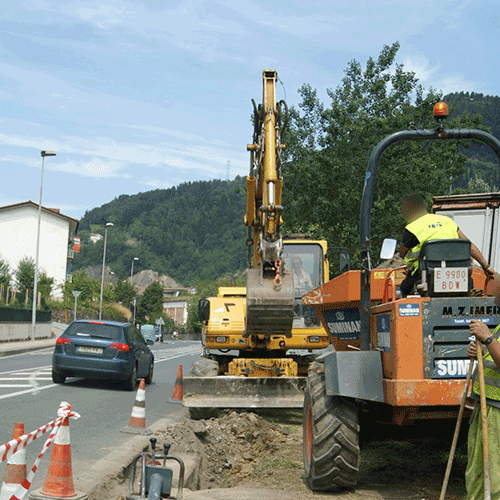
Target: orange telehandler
x=394, y=360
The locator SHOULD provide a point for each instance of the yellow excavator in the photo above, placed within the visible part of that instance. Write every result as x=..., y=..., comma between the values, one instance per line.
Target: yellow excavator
x=258, y=340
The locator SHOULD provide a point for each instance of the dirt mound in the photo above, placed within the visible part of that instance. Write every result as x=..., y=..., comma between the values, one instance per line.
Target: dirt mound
x=396, y=261
x=232, y=445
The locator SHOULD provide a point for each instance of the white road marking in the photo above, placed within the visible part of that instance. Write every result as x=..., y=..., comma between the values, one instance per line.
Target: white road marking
x=28, y=391
x=3, y=379
x=166, y=354
x=15, y=385
x=47, y=367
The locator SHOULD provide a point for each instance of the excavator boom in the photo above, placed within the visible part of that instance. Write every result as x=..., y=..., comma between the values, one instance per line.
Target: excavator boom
x=270, y=291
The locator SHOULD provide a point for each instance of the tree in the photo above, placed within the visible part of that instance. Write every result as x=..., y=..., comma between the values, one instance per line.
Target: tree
x=151, y=302
x=25, y=275
x=90, y=288
x=124, y=293
x=45, y=285
x=4, y=273
x=328, y=149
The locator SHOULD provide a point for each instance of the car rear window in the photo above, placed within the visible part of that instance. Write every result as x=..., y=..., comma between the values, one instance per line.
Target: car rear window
x=94, y=330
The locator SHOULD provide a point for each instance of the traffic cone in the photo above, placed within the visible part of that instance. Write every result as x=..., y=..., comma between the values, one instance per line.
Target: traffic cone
x=137, y=422
x=59, y=480
x=15, y=470
x=178, y=392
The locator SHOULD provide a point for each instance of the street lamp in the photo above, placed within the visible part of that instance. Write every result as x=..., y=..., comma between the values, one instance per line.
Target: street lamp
x=75, y=294
x=108, y=224
x=35, y=284
x=132, y=270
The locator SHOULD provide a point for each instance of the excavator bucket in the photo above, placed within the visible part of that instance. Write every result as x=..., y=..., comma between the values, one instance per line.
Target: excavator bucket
x=269, y=307
x=243, y=392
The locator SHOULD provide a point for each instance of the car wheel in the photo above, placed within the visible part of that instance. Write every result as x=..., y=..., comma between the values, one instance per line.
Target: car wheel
x=131, y=383
x=149, y=377
x=58, y=378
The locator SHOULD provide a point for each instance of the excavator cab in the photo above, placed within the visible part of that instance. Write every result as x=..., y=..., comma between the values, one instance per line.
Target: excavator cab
x=305, y=261
x=446, y=268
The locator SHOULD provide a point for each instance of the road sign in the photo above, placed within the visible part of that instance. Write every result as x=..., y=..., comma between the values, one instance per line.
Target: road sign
x=76, y=293
x=160, y=321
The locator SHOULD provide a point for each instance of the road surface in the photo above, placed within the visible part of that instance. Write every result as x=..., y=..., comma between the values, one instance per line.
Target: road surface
x=28, y=395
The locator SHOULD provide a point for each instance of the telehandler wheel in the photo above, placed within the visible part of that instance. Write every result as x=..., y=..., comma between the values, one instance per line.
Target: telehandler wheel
x=330, y=436
x=203, y=367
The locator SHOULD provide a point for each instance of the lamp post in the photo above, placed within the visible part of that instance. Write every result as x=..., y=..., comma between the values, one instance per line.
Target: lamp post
x=108, y=224
x=131, y=275
x=75, y=294
x=35, y=284
x=132, y=270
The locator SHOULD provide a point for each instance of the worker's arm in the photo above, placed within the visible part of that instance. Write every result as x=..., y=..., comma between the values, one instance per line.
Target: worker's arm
x=482, y=332
x=409, y=240
x=403, y=251
x=477, y=255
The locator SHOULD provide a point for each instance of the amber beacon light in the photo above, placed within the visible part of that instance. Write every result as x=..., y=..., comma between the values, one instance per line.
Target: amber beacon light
x=440, y=110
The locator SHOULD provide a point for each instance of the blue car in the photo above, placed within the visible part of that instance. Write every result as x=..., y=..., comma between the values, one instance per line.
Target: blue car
x=103, y=350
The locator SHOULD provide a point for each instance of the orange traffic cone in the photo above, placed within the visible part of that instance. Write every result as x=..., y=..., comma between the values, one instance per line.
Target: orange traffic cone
x=15, y=470
x=137, y=422
x=178, y=393
x=59, y=480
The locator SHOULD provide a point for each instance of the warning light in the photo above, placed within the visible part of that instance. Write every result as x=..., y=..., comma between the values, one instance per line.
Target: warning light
x=440, y=110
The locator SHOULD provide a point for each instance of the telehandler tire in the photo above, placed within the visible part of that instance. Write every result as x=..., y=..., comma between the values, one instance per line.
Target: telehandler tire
x=330, y=436
x=203, y=367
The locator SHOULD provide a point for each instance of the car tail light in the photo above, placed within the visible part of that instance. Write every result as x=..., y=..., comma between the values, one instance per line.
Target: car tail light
x=63, y=340
x=96, y=322
x=120, y=347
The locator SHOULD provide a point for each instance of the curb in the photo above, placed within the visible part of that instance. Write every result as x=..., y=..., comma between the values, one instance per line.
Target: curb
x=116, y=465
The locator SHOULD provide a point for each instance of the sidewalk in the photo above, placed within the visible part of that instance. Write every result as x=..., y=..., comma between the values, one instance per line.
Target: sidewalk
x=19, y=347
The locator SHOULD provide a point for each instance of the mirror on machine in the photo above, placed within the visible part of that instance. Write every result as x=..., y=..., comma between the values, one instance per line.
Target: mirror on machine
x=345, y=262
x=203, y=310
x=388, y=249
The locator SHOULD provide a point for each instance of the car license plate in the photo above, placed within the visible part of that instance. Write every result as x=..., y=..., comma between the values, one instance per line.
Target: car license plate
x=93, y=350
x=451, y=279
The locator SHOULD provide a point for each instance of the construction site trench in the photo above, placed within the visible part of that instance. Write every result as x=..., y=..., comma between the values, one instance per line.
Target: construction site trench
x=264, y=450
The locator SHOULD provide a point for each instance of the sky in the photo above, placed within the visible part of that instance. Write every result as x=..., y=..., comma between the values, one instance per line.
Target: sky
x=136, y=95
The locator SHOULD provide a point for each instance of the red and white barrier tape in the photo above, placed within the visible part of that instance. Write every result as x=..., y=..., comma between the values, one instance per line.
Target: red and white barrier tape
x=8, y=449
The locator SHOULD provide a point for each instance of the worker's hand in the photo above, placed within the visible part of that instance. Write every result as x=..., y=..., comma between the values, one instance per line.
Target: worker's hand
x=479, y=329
x=489, y=272
x=471, y=350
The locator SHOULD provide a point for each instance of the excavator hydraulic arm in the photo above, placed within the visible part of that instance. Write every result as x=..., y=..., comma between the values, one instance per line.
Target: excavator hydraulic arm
x=270, y=290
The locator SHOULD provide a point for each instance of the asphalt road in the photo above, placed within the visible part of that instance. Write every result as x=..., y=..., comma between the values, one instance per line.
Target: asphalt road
x=28, y=395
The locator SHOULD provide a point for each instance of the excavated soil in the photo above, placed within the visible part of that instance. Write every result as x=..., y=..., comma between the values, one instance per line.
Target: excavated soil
x=265, y=451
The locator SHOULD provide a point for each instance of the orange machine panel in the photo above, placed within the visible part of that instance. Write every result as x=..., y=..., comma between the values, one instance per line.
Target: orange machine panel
x=428, y=392
x=346, y=288
x=402, y=346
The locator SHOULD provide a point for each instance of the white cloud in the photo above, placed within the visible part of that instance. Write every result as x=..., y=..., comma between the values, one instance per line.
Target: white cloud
x=436, y=76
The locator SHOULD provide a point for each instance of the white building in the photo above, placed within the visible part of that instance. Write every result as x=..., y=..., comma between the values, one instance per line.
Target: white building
x=177, y=310
x=18, y=234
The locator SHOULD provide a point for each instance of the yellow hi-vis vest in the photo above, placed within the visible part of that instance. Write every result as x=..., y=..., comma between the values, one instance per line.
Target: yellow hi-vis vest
x=491, y=374
x=426, y=228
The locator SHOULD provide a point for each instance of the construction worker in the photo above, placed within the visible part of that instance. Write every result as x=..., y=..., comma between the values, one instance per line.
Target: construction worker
x=423, y=226
x=474, y=475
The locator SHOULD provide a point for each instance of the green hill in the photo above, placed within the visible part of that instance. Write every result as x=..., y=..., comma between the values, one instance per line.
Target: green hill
x=481, y=171
x=191, y=232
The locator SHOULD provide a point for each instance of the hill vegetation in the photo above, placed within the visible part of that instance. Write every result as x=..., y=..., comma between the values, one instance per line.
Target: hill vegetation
x=191, y=232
